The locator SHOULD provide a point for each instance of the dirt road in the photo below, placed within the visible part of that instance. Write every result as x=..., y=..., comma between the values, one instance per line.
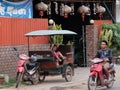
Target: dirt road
x=79, y=82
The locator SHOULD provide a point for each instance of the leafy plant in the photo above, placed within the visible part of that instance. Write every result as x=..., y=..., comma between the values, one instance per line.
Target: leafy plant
x=107, y=35
x=116, y=34
x=57, y=39
x=70, y=42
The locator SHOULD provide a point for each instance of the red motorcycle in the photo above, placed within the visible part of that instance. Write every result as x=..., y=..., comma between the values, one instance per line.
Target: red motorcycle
x=98, y=77
x=27, y=72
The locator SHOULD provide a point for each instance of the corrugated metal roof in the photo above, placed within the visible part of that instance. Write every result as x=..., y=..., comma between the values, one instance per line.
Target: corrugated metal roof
x=12, y=30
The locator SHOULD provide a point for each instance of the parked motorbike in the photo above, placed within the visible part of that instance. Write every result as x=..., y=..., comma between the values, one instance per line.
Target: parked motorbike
x=27, y=71
x=98, y=77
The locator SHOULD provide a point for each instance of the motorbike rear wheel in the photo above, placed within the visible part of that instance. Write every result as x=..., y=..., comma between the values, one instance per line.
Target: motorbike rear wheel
x=111, y=80
x=18, y=79
x=92, y=83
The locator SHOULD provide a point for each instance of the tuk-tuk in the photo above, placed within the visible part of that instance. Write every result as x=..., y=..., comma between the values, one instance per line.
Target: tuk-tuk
x=46, y=59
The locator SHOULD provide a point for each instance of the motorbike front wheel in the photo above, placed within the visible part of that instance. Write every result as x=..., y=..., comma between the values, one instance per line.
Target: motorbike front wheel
x=92, y=83
x=18, y=79
x=35, y=78
x=111, y=80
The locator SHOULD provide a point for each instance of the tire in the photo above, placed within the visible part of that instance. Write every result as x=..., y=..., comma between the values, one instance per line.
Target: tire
x=41, y=76
x=92, y=83
x=111, y=80
x=68, y=74
x=35, y=78
x=18, y=79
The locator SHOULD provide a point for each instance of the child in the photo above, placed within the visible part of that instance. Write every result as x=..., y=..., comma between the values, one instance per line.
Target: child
x=57, y=54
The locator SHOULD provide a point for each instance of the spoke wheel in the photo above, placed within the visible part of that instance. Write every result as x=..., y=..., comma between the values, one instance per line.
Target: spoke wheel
x=92, y=83
x=68, y=73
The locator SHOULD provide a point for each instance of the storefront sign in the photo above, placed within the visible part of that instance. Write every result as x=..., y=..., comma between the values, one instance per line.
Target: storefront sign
x=16, y=9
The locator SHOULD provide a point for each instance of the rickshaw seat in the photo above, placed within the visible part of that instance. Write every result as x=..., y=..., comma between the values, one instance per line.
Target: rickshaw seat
x=46, y=60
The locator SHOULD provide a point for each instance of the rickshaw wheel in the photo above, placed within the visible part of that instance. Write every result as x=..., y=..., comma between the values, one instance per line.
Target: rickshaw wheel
x=42, y=76
x=68, y=73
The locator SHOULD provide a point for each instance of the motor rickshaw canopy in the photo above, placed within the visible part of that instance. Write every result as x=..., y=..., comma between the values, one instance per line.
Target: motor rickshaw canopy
x=50, y=32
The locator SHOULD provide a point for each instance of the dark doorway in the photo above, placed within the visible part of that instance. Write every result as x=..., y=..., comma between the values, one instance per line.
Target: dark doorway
x=74, y=23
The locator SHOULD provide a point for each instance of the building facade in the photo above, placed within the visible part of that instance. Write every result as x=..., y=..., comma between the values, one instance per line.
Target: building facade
x=68, y=13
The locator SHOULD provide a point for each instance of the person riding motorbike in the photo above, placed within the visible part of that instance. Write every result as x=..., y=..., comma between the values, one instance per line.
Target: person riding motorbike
x=106, y=54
